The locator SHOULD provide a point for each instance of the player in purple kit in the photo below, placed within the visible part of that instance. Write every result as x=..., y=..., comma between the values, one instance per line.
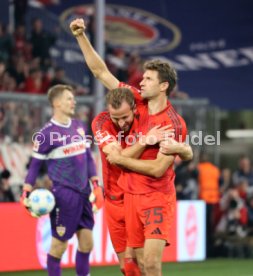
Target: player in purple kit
x=62, y=145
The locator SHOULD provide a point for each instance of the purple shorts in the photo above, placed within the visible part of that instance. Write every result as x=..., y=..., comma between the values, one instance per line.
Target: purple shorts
x=72, y=212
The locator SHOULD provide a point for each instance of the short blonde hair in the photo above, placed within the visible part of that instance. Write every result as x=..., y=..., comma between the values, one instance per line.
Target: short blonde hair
x=57, y=91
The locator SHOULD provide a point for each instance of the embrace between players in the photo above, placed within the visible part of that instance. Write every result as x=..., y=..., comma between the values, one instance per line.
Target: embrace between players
x=138, y=178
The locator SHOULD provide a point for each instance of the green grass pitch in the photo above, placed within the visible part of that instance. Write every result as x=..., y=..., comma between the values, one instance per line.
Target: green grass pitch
x=215, y=267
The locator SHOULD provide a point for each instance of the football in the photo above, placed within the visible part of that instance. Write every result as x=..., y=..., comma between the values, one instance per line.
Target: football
x=41, y=201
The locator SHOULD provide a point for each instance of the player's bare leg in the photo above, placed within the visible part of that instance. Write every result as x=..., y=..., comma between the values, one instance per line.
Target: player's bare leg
x=85, y=240
x=121, y=257
x=57, y=248
x=153, y=250
x=139, y=253
x=85, y=245
x=54, y=257
x=130, y=263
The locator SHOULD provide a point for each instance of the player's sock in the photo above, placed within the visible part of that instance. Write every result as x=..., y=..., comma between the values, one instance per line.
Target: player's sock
x=82, y=263
x=131, y=267
x=53, y=266
x=137, y=270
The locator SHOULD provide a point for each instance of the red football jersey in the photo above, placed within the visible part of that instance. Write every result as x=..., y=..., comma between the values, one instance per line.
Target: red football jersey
x=136, y=183
x=105, y=132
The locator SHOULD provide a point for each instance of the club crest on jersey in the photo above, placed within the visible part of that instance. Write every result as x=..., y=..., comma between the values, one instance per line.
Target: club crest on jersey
x=61, y=230
x=81, y=132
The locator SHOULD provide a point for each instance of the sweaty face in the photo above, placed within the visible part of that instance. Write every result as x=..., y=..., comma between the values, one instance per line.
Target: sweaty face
x=66, y=103
x=122, y=117
x=150, y=84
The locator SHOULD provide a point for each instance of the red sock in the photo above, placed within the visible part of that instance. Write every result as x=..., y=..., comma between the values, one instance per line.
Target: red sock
x=137, y=271
x=131, y=267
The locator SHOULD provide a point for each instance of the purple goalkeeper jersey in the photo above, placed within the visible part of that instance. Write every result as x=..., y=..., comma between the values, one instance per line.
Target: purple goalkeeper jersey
x=67, y=155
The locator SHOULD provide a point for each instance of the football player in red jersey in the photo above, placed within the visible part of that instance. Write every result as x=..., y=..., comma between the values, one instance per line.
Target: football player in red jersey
x=109, y=134
x=149, y=193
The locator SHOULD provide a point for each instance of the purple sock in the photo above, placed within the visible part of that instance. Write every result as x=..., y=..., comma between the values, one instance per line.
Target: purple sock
x=82, y=263
x=53, y=266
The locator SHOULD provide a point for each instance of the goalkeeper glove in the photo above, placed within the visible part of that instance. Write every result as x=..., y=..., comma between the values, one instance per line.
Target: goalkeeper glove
x=24, y=200
x=97, y=196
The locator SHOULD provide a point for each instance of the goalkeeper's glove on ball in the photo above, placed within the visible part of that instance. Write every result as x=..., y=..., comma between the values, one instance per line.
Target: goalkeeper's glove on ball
x=97, y=196
x=25, y=201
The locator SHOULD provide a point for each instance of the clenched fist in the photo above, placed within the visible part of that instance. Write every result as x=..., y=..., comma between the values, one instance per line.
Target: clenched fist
x=77, y=27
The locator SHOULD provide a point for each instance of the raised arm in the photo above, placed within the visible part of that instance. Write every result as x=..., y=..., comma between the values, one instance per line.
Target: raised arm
x=95, y=63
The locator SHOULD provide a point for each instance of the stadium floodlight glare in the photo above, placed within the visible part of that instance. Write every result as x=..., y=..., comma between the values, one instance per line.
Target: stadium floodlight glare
x=239, y=133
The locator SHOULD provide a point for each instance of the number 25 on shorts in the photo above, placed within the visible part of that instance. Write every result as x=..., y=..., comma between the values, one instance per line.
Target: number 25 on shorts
x=153, y=216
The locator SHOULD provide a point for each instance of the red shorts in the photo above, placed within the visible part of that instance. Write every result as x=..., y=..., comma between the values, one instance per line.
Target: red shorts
x=148, y=216
x=114, y=211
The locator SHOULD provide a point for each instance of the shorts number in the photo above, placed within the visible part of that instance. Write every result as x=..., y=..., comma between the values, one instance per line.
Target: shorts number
x=158, y=214
x=156, y=218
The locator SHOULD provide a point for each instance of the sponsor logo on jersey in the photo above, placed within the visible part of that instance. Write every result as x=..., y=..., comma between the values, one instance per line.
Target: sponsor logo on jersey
x=74, y=148
x=69, y=150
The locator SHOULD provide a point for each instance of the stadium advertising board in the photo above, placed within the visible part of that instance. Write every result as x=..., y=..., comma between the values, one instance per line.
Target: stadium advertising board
x=25, y=241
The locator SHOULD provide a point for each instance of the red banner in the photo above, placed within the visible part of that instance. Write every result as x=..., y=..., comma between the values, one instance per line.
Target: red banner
x=25, y=241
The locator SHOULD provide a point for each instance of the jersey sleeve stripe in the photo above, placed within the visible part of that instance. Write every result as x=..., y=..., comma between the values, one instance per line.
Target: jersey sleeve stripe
x=176, y=123
x=39, y=156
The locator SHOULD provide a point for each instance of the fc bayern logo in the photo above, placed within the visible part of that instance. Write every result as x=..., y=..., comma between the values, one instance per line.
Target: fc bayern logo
x=131, y=29
x=191, y=230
